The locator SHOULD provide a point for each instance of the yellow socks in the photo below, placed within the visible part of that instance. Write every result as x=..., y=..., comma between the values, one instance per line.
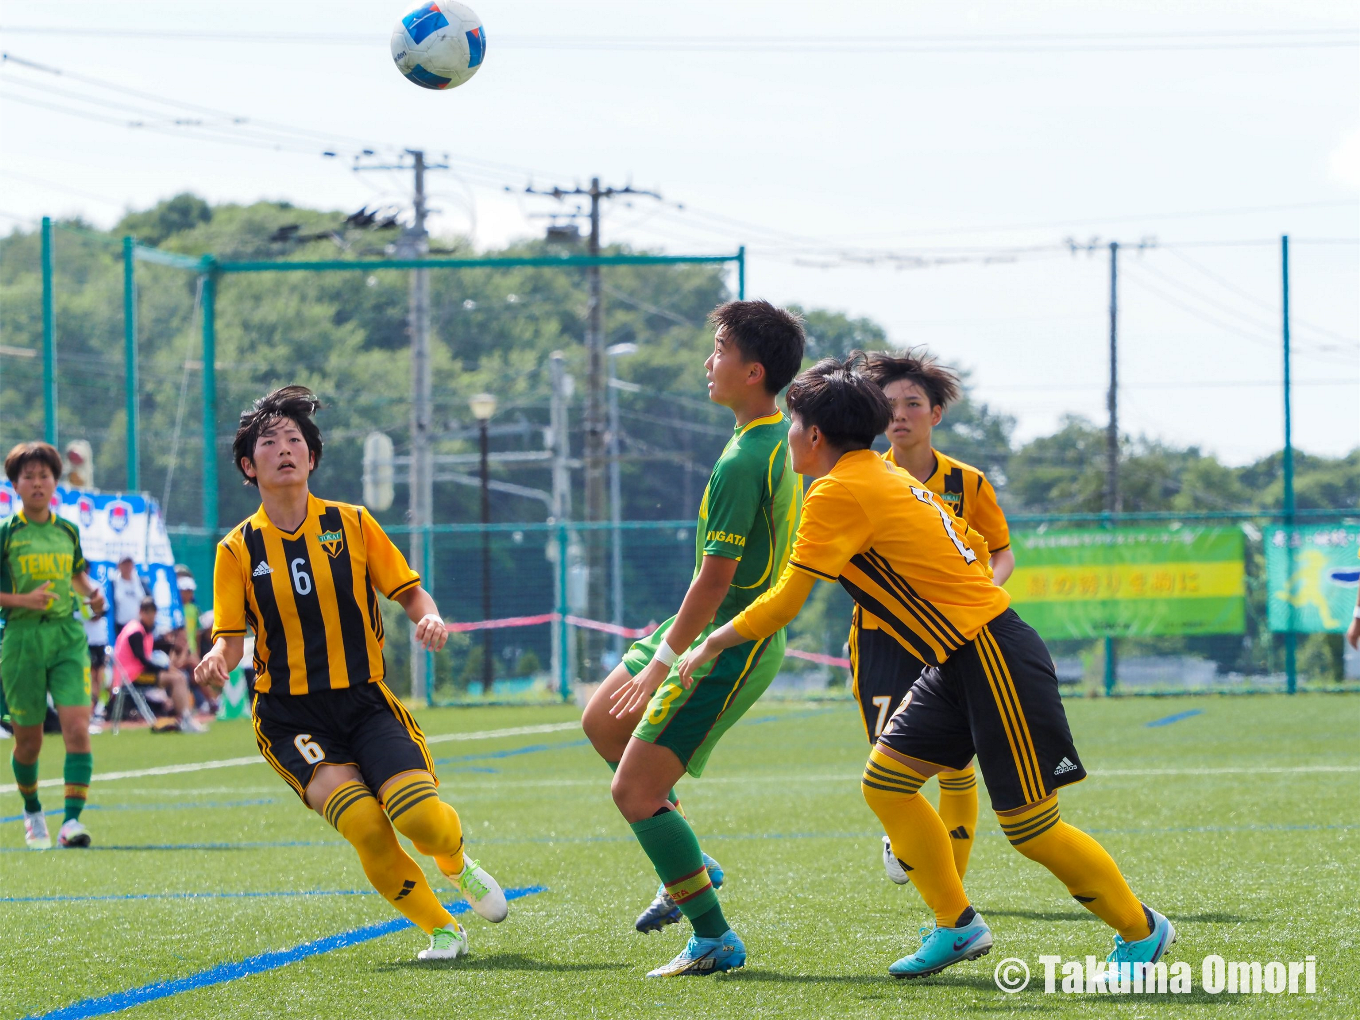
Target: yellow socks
x=413, y=804
x=959, y=811
x=1080, y=863
x=919, y=839
x=354, y=811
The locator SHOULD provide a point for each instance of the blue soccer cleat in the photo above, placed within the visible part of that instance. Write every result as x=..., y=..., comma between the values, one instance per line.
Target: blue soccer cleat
x=1148, y=950
x=705, y=956
x=944, y=947
x=663, y=910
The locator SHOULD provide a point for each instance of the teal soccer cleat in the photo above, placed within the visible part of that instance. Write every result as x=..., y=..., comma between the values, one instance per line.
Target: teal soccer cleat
x=663, y=910
x=705, y=956
x=944, y=947
x=1148, y=950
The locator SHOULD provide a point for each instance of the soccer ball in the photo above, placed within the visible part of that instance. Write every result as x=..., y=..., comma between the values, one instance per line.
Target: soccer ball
x=439, y=44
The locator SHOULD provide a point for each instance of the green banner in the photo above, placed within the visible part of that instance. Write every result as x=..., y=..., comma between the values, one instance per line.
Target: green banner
x=1325, y=571
x=1123, y=582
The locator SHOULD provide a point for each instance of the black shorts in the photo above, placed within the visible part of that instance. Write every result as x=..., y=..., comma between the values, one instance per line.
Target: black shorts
x=996, y=697
x=883, y=673
x=98, y=656
x=364, y=726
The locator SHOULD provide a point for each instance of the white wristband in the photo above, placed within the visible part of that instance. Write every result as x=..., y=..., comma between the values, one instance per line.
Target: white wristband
x=666, y=655
x=1357, y=612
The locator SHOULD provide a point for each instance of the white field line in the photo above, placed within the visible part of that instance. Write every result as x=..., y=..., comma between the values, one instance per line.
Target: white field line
x=255, y=759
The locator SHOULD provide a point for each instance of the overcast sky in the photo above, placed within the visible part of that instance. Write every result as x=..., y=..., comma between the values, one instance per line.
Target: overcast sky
x=921, y=164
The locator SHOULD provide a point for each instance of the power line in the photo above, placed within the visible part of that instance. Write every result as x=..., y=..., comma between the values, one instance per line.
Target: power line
x=1075, y=42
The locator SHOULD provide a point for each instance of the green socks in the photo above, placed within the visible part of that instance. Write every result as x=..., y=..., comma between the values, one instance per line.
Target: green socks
x=77, y=772
x=26, y=778
x=668, y=840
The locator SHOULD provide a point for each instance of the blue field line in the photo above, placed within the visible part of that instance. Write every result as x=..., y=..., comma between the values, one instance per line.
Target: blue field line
x=250, y=966
x=1168, y=720
x=188, y=896
x=530, y=749
x=158, y=807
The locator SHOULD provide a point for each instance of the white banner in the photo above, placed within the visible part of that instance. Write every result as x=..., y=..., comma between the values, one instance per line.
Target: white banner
x=114, y=525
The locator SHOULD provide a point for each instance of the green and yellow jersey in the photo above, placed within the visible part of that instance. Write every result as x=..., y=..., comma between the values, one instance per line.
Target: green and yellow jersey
x=749, y=512
x=33, y=554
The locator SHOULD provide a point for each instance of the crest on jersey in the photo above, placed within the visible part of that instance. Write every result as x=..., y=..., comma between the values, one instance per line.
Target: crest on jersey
x=332, y=542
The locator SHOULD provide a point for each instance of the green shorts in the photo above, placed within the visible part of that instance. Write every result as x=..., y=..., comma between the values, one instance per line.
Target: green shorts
x=691, y=722
x=35, y=658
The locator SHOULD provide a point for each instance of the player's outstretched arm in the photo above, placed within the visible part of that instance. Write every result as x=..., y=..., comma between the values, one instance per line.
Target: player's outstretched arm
x=39, y=598
x=421, y=610
x=767, y=614
x=706, y=593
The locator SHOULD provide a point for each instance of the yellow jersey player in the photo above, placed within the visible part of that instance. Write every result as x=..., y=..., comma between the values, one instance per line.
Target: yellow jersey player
x=990, y=691
x=919, y=390
x=305, y=574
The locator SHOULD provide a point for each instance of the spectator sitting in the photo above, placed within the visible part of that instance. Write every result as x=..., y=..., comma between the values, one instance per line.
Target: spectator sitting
x=128, y=592
x=139, y=661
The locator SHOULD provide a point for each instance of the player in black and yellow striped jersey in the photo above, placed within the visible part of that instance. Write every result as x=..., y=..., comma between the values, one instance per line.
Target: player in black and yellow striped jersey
x=304, y=574
x=990, y=689
x=920, y=389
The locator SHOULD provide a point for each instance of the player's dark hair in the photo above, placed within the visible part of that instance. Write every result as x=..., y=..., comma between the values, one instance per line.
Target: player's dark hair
x=846, y=405
x=297, y=404
x=941, y=385
x=25, y=453
x=147, y=605
x=765, y=334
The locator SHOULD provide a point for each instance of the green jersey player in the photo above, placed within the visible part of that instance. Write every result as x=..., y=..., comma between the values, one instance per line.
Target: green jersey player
x=647, y=724
x=42, y=647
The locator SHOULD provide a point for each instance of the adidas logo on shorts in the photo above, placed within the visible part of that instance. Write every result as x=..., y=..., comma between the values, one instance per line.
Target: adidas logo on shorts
x=263, y=569
x=1064, y=766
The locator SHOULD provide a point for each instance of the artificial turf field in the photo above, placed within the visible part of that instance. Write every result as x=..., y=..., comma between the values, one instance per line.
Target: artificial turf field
x=1240, y=821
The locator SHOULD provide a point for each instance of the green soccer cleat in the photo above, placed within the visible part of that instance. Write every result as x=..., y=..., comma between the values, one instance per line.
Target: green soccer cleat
x=36, y=836
x=446, y=944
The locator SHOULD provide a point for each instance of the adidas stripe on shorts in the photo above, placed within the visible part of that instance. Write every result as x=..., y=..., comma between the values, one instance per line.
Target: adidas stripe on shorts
x=996, y=697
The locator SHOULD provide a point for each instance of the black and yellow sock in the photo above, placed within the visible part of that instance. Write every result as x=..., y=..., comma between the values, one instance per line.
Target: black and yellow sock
x=919, y=839
x=670, y=843
x=413, y=804
x=959, y=812
x=355, y=813
x=26, y=778
x=77, y=772
x=1080, y=863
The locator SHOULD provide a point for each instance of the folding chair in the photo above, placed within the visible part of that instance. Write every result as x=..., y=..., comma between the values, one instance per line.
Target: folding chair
x=124, y=688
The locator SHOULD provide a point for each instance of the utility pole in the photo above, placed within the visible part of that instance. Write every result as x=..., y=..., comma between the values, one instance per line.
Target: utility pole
x=1112, y=500
x=414, y=243
x=561, y=509
x=595, y=458
x=1287, y=467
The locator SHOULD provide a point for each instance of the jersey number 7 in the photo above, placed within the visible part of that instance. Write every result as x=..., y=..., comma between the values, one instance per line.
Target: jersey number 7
x=947, y=519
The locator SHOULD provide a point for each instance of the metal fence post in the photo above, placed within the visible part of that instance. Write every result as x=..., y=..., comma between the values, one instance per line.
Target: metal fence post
x=563, y=640
x=130, y=384
x=49, y=328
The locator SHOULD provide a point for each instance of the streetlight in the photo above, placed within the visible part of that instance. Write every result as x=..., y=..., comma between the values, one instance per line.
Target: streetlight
x=483, y=406
x=615, y=499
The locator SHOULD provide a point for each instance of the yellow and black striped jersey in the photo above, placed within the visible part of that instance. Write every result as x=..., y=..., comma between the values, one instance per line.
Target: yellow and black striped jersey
x=899, y=553
x=965, y=490
x=310, y=596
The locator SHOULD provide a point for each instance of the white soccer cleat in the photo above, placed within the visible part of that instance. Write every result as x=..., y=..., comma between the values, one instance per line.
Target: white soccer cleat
x=188, y=724
x=892, y=865
x=483, y=893
x=36, y=835
x=446, y=944
x=73, y=834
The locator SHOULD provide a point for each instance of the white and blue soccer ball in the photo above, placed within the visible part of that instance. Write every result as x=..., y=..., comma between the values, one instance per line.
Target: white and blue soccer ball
x=439, y=44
